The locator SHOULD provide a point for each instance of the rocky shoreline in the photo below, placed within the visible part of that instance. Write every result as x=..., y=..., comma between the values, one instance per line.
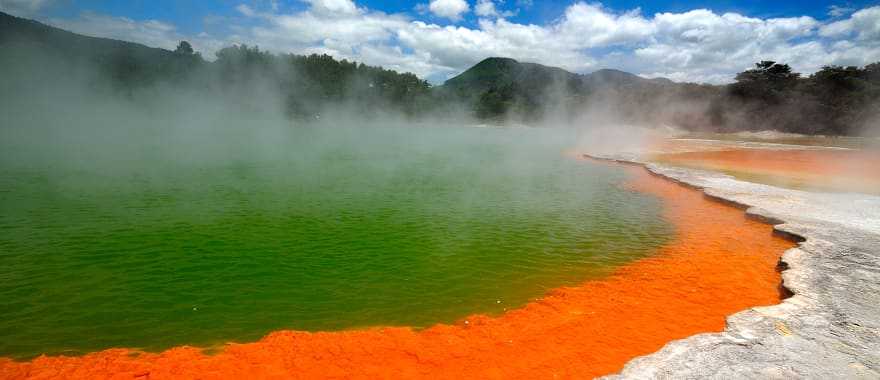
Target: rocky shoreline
x=827, y=328
x=715, y=264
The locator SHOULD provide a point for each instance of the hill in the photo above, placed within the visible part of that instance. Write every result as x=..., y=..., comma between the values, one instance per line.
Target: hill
x=505, y=88
x=126, y=62
x=835, y=100
x=38, y=54
x=496, y=72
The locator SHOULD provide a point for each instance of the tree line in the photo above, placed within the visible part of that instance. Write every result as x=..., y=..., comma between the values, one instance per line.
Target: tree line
x=836, y=100
x=307, y=84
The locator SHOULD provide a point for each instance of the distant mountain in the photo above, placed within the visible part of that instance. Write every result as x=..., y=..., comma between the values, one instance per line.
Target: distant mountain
x=38, y=54
x=121, y=59
x=834, y=100
x=499, y=87
x=497, y=72
x=17, y=30
x=620, y=78
x=495, y=87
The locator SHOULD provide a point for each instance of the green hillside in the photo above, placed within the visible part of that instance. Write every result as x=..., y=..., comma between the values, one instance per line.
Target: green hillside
x=835, y=100
x=35, y=53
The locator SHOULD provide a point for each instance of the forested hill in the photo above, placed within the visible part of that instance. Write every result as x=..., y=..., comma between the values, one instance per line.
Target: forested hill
x=19, y=30
x=835, y=100
x=505, y=88
x=30, y=43
x=498, y=71
x=306, y=84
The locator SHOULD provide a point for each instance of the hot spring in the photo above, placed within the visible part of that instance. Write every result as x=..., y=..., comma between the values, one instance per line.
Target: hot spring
x=150, y=238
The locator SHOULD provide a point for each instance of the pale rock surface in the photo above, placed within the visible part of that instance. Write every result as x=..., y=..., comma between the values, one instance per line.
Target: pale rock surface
x=829, y=328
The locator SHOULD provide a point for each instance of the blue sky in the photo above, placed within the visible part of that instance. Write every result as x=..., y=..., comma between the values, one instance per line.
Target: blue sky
x=683, y=40
x=188, y=15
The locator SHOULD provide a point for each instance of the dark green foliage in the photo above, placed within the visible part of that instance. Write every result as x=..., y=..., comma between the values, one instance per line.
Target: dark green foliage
x=769, y=81
x=503, y=87
x=129, y=65
x=310, y=83
x=848, y=96
x=835, y=100
x=364, y=87
x=306, y=84
x=184, y=48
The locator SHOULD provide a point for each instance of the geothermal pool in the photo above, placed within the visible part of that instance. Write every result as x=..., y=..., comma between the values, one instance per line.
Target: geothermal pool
x=221, y=235
x=819, y=169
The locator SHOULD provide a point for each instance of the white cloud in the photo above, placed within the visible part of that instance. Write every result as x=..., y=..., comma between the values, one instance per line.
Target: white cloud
x=697, y=45
x=294, y=31
x=246, y=10
x=864, y=24
x=707, y=44
x=148, y=32
x=451, y=9
x=837, y=11
x=487, y=8
x=24, y=7
x=589, y=25
x=345, y=7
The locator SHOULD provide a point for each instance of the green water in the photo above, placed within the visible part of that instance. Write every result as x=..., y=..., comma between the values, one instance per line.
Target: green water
x=108, y=241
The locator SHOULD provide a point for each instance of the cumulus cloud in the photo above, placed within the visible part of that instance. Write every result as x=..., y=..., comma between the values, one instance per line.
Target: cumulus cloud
x=451, y=9
x=245, y=10
x=346, y=7
x=487, y=8
x=24, y=7
x=589, y=25
x=148, y=32
x=864, y=25
x=711, y=47
x=837, y=11
x=341, y=32
x=698, y=45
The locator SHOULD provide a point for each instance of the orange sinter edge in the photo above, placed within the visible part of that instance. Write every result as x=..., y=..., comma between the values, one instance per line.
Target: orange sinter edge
x=718, y=263
x=835, y=170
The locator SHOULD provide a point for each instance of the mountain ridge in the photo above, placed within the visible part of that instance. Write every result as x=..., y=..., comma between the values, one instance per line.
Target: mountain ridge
x=15, y=29
x=510, y=69
x=835, y=100
x=509, y=64
x=502, y=88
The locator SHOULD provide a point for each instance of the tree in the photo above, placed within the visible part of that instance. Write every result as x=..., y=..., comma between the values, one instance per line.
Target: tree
x=767, y=81
x=872, y=72
x=184, y=48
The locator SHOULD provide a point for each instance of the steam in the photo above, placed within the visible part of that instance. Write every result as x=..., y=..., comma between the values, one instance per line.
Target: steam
x=70, y=121
x=68, y=113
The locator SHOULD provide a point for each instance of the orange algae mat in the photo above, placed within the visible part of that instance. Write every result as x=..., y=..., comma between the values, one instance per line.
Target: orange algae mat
x=835, y=170
x=718, y=263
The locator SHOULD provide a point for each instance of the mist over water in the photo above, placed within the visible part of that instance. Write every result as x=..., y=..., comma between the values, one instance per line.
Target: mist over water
x=317, y=229
x=163, y=216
